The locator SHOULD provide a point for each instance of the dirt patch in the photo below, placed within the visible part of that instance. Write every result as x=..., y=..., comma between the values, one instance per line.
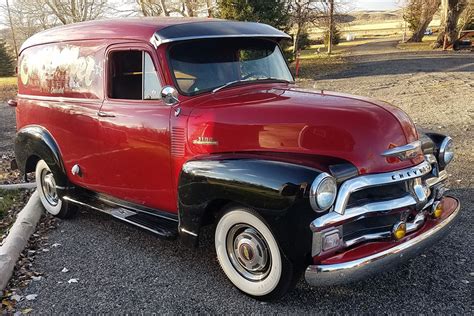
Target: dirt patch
x=8, y=88
x=7, y=175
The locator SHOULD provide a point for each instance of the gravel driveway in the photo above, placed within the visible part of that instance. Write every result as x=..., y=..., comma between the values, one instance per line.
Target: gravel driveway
x=122, y=269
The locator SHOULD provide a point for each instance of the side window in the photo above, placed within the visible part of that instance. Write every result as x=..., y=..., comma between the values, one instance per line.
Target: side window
x=132, y=76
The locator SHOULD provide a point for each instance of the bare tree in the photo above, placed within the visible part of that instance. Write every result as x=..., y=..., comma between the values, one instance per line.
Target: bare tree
x=210, y=8
x=303, y=13
x=449, y=29
x=419, y=14
x=72, y=11
x=25, y=18
x=466, y=20
x=152, y=8
x=331, y=25
x=188, y=8
x=15, y=47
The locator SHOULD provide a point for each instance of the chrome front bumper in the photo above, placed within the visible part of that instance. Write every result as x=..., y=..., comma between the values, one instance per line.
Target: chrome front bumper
x=347, y=272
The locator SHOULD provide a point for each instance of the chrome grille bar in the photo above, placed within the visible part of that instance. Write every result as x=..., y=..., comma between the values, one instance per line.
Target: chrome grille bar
x=359, y=212
x=372, y=180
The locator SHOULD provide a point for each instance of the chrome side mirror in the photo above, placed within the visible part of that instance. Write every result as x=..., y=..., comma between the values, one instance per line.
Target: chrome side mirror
x=169, y=95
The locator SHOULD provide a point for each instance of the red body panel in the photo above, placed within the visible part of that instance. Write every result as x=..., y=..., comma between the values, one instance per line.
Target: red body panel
x=266, y=118
x=137, y=155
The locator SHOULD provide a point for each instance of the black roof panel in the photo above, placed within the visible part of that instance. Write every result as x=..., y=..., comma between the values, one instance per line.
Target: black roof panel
x=216, y=29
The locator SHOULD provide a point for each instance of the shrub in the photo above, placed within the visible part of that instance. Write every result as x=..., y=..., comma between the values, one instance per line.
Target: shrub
x=6, y=61
x=304, y=41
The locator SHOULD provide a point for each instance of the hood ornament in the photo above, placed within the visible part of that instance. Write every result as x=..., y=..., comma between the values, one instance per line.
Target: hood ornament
x=405, y=152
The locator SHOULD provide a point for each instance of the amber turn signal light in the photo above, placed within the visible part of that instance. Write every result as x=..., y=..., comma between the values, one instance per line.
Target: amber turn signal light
x=399, y=230
x=437, y=210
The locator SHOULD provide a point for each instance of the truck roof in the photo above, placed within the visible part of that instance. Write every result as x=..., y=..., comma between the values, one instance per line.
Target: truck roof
x=156, y=30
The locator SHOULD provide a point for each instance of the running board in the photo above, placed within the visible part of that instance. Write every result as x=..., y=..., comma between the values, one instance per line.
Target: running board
x=164, y=228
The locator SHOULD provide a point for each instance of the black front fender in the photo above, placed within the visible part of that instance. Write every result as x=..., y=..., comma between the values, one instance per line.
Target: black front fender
x=278, y=191
x=33, y=143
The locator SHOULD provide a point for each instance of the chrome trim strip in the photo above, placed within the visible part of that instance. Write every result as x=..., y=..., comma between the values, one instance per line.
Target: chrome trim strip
x=67, y=198
x=57, y=98
x=404, y=152
x=359, y=212
x=411, y=227
x=443, y=175
x=431, y=158
x=187, y=232
x=372, y=180
x=347, y=272
x=419, y=220
x=374, y=236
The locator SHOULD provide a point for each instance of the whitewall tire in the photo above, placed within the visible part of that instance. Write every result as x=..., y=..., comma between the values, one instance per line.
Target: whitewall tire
x=250, y=256
x=48, y=193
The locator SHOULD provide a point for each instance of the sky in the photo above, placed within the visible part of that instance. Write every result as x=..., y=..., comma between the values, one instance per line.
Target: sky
x=376, y=4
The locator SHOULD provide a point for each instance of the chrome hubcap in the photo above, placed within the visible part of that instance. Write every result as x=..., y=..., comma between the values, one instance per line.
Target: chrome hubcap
x=48, y=185
x=248, y=252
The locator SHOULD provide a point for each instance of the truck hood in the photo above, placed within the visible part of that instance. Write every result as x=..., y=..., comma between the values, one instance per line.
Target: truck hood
x=289, y=120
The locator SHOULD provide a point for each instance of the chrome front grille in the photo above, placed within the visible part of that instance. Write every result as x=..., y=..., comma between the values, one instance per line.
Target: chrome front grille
x=368, y=206
x=374, y=180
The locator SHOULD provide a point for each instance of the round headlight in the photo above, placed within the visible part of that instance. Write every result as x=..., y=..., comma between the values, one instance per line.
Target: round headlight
x=323, y=192
x=446, y=152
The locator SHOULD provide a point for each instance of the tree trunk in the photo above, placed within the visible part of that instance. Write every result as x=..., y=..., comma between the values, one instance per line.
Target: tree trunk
x=210, y=12
x=418, y=35
x=296, y=39
x=429, y=9
x=454, y=10
x=12, y=29
x=298, y=27
x=163, y=8
x=331, y=25
x=189, y=7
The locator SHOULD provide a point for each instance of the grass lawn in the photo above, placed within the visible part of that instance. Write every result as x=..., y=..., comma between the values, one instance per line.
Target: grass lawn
x=425, y=45
x=8, y=198
x=8, y=88
x=316, y=63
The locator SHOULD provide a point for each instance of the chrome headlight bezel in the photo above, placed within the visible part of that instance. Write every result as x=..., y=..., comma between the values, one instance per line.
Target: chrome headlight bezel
x=446, y=153
x=323, y=192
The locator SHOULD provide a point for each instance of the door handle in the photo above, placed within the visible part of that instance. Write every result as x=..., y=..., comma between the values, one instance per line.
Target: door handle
x=12, y=103
x=104, y=114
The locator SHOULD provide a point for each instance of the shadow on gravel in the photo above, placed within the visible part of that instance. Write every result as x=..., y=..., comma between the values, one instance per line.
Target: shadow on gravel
x=122, y=269
x=408, y=63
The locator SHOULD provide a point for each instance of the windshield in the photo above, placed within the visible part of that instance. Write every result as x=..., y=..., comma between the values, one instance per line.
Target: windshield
x=204, y=65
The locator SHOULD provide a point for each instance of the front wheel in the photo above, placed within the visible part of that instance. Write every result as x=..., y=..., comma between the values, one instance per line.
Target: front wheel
x=250, y=256
x=46, y=186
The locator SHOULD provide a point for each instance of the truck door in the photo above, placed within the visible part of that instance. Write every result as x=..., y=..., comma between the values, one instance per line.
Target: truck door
x=135, y=129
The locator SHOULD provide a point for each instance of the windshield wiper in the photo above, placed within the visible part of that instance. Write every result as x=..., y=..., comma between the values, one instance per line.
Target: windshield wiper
x=231, y=83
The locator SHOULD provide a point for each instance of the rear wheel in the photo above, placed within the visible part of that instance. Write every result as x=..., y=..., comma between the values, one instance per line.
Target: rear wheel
x=250, y=256
x=47, y=189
